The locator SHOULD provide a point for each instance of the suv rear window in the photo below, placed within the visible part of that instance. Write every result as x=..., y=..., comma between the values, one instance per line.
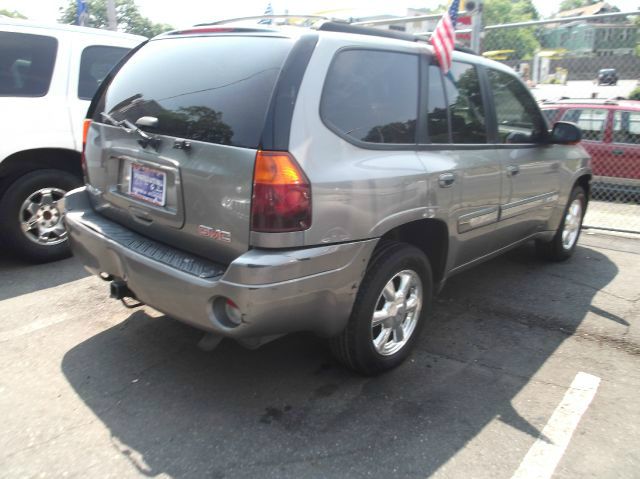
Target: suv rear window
x=372, y=96
x=26, y=64
x=212, y=89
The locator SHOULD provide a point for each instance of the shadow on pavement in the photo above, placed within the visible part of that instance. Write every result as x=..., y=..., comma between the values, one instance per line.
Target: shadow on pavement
x=287, y=410
x=19, y=277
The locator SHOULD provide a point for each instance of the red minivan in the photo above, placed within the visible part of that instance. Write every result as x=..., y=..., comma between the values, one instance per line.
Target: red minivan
x=611, y=135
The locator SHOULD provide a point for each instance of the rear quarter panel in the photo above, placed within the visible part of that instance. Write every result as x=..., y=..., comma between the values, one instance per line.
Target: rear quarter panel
x=357, y=193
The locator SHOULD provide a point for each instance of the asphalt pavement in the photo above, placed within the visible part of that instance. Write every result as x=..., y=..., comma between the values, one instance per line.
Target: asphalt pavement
x=91, y=389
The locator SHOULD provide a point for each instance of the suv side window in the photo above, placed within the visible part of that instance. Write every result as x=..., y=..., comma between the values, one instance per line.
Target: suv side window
x=95, y=63
x=626, y=127
x=517, y=115
x=590, y=120
x=437, y=117
x=372, y=96
x=468, y=123
x=26, y=64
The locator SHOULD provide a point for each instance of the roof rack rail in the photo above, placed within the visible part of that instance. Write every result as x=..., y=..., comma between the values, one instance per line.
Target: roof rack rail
x=340, y=27
x=263, y=17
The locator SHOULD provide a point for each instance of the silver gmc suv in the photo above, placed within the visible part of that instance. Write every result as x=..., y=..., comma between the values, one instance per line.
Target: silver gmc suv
x=257, y=181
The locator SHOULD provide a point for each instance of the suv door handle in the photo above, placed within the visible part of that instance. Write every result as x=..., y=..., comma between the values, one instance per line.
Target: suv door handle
x=445, y=180
x=617, y=152
x=513, y=170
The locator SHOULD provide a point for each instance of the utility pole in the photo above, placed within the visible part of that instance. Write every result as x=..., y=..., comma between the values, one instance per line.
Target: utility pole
x=111, y=15
x=476, y=26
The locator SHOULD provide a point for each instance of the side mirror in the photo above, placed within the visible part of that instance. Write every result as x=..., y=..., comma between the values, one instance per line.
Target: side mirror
x=565, y=133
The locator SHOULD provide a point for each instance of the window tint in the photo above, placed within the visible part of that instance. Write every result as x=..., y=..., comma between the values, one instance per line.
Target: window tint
x=437, y=120
x=626, y=127
x=26, y=64
x=517, y=115
x=465, y=104
x=95, y=63
x=372, y=96
x=590, y=120
x=213, y=89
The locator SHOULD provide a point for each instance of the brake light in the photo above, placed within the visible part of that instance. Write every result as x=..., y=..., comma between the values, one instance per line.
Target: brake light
x=85, y=130
x=281, y=199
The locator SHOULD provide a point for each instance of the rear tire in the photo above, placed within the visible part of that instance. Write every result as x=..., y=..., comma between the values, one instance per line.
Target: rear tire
x=398, y=288
x=563, y=244
x=33, y=199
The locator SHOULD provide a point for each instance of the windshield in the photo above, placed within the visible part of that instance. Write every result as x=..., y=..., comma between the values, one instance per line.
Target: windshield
x=213, y=89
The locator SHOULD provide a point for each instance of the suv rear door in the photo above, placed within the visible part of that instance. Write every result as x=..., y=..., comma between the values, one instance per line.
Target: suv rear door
x=623, y=158
x=205, y=99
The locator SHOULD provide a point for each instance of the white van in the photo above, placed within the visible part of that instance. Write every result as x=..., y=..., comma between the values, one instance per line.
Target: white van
x=48, y=75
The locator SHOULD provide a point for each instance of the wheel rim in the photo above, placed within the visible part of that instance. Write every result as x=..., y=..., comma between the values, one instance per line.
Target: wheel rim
x=396, y=313
x=41, y=217
x=572, y=224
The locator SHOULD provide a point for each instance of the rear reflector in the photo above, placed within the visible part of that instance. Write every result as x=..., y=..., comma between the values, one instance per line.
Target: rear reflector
x=85, y=130
x=281, y=199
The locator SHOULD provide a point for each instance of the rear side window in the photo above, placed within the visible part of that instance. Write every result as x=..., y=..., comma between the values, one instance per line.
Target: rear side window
x=212, y=89
x=26, y=64
x=437, y=118
x=372, y=96
x=95, y=62
x=468, y=123
x=590, y=120
x=626, y=127
x=518, y=117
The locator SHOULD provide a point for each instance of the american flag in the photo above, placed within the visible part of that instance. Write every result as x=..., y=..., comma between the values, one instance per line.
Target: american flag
x=267, y=11
x=443, y=38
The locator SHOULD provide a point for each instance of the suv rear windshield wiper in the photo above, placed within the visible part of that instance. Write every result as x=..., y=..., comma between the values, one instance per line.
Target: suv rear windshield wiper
x=129, y=127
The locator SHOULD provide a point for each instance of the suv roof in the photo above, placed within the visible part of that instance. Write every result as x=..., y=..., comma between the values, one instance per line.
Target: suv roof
x=587, y=102
x=321, y=26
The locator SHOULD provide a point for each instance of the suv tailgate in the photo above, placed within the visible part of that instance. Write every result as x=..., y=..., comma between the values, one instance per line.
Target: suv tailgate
x=205, y=100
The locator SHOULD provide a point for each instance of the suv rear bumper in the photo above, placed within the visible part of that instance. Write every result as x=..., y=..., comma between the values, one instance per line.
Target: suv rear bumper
x=277, y=291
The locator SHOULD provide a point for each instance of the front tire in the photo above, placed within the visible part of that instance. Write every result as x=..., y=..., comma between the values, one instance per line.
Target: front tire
x=564, y=243
x=391, y=308
x=31, y=215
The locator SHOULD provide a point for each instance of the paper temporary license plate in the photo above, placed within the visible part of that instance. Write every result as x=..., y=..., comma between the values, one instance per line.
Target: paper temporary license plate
x=148, y=184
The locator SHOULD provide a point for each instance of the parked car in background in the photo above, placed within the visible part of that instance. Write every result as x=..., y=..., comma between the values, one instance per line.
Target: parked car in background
x=48, y=75
x=611, y=135
x=607, y=76
x=325, y=180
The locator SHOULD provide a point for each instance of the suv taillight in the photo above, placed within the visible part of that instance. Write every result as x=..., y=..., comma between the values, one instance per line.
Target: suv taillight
x=281, y=199
x=85, y=129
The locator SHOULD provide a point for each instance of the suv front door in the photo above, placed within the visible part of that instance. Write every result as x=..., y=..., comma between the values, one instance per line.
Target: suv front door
x=531, y=169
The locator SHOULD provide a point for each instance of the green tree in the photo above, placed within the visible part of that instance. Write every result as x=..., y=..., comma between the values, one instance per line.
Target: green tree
x=571, y=4
x=522, y=40
x=128, y=17
x=12, y=14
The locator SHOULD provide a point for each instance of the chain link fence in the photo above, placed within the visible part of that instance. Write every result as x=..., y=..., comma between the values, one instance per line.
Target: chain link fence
x=587, y=70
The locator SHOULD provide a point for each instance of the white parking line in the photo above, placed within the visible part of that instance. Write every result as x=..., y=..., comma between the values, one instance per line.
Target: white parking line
x=546, y=452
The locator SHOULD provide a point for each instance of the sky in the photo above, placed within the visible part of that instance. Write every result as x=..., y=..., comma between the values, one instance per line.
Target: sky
x=183, y=13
